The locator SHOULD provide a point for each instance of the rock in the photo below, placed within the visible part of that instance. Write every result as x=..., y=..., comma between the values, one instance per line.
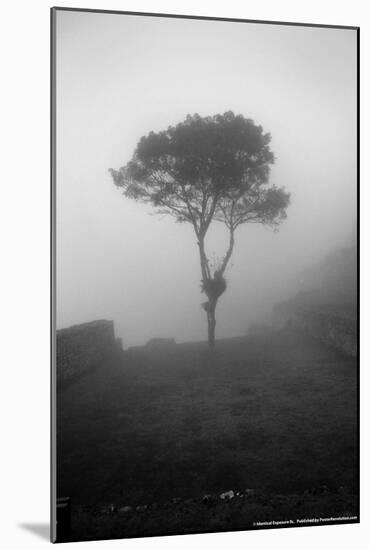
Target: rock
x=161, y=343
x=209, y=500
x=112, y=508
x=227, y=495
x=141, y=508
x=249, y=492
x=176, y=500
x=125, y=509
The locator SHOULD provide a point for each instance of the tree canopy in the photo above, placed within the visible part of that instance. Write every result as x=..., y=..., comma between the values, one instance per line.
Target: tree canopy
x=206, y=169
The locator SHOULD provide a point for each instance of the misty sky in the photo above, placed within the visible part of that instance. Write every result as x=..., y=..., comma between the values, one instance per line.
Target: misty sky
x=119, y=77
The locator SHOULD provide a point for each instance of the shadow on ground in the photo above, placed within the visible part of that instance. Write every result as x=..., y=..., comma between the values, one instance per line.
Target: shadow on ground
x=41, y=530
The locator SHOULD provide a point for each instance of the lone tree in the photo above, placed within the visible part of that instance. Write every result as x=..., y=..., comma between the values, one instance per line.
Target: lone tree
x=207, y=169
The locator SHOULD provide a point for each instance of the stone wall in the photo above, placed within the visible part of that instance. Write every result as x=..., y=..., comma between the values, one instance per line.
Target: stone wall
x=160, y=343
x=81, y=348
x=334, y=328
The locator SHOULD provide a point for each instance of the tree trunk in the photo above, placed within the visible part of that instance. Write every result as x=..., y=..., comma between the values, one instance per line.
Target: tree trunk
x=211, y=329
x=203, y=260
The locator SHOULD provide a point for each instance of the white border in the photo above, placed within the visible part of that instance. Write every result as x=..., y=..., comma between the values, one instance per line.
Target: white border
x=25, y=264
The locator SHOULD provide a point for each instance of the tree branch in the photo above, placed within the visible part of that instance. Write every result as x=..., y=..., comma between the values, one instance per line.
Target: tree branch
x=229, y=252
x=204, y=262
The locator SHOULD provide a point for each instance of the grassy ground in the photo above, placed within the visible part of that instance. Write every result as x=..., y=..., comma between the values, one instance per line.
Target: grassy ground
x=199, y=516
x=274, y=413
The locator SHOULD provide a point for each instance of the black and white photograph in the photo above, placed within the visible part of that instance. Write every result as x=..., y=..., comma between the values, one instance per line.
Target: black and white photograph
x=205, y=367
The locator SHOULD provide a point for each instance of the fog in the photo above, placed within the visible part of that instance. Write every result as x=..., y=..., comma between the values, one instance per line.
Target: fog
x=118, y=78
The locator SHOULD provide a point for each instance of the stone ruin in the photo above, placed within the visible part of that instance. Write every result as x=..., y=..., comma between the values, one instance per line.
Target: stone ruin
x=160, y=343
x=81, y=348
x=335, y=326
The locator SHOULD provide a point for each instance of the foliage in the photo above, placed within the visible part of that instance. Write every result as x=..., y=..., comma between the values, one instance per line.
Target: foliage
x=204, y=169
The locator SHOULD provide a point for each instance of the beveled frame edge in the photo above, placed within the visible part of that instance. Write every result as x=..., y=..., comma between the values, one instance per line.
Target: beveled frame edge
x=53, y=11
x=53, y=455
